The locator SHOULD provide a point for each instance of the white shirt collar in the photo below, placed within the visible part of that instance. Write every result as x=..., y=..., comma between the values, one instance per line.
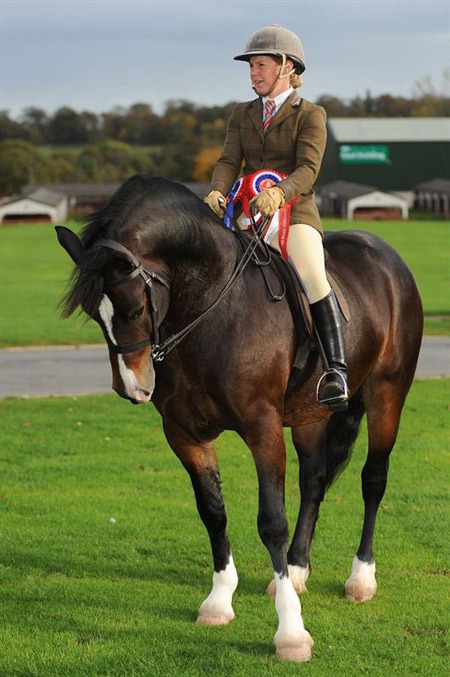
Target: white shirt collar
x=280, y=99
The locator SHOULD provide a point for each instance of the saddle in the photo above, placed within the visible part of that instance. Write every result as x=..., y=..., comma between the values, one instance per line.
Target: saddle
x=298, y=303
x=301, y=313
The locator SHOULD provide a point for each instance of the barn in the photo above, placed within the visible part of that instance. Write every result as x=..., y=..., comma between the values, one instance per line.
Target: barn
x=40, y=205
x=347, y=200
x=434, y=197
x=393, y=154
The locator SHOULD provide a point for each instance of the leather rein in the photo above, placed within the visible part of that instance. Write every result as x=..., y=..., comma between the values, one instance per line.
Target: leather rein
x=161, y=350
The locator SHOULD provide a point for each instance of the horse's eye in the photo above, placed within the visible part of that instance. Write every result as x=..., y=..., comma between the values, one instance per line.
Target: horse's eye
x=136, y=315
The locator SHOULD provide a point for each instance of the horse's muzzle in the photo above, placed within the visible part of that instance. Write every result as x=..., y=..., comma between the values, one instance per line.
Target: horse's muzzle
x=140, y=395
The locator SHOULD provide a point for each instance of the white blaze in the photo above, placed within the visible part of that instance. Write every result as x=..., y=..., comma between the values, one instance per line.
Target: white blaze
x=129, y=380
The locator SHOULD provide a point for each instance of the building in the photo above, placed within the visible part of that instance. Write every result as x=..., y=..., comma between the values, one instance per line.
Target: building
x=40, y=205
x=393, y=154
x=434, y=197
x=346, y=200
x=86, y=198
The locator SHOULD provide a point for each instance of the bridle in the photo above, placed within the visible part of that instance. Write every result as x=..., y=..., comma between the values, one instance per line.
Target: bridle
x=149, y=277
x=160, y=350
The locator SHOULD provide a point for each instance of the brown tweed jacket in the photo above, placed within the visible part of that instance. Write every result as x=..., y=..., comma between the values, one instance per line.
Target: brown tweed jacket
x=293, y=144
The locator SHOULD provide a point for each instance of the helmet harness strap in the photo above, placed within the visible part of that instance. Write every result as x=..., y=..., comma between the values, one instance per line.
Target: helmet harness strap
x=281, y=75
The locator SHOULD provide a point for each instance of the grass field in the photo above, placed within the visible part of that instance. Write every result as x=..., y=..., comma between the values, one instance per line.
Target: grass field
x=84, y=596
x=34, y=271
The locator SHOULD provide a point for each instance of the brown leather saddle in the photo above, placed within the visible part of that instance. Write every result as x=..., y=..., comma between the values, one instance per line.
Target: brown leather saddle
x=301, y=314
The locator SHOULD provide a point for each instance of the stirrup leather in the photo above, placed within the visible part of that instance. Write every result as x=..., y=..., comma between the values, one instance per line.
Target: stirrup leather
x=343, y=397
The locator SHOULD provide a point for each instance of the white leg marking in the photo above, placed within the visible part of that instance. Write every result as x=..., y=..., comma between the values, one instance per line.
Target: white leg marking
x=292, y=641
x=217, y=608
x=298, y=576
x=129, y=380
x=361, y=586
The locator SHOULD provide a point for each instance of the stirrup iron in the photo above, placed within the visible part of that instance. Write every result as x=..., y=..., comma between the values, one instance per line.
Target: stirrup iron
x=340, y=381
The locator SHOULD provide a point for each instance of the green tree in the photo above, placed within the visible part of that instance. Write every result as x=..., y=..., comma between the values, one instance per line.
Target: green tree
x=20, y=164
x=65, y=127
x=9, y=129
x=35, y=122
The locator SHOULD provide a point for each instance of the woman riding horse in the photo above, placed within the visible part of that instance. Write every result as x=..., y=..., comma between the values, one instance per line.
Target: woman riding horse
x=286, y=133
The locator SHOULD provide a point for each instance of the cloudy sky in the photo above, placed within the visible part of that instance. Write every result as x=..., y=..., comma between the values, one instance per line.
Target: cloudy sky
x=97, y=54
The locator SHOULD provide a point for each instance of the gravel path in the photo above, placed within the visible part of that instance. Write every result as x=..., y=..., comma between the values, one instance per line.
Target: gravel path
x=36, y=372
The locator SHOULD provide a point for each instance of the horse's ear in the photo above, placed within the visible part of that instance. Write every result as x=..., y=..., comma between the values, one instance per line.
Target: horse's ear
x=70, y=242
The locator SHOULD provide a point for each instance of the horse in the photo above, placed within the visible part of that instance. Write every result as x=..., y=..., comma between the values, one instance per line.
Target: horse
x=191, y=327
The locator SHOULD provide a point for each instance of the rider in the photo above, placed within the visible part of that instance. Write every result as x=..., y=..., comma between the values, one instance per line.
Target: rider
x=293, y=144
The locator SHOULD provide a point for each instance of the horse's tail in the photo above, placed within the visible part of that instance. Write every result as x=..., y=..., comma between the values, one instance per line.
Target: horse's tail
x=342, y=431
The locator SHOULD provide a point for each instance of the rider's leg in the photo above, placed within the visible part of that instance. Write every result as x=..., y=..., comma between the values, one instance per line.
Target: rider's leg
x=305, y=248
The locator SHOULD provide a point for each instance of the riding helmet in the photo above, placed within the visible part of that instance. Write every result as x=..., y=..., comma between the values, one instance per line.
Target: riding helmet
x=276, y=41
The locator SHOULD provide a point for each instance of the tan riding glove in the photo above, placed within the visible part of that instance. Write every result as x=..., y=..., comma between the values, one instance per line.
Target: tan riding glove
x=214, y=200
x=269, y=201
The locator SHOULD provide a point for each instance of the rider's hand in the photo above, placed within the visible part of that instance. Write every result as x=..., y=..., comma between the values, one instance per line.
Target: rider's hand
x=216, y=201
x=268, y=201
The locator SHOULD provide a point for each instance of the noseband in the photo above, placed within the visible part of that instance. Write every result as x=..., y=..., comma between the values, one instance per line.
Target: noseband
x=148, y=277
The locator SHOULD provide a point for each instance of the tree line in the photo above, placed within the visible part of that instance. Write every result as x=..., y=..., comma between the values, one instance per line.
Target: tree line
x=182, y=143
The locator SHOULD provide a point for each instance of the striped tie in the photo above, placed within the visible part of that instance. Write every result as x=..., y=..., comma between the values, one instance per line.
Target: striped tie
x=269, y=110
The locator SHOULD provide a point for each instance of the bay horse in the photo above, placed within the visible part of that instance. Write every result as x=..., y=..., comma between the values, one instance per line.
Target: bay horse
x=191, y=329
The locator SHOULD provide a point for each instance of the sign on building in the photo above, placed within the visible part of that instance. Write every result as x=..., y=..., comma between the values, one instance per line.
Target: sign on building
x=363, y=155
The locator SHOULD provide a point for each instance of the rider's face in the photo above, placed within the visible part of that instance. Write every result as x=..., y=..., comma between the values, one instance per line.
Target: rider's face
x=264, y=72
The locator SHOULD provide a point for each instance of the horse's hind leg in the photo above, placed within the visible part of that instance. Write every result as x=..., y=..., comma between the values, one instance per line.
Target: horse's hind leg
x=384, y=401
x=201, y=463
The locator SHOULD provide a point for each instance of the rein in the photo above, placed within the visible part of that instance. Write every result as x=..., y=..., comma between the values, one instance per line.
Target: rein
x=161, y=350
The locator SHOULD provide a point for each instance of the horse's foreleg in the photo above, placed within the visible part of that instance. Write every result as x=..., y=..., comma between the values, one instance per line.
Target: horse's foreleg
x=383, y=417
x=201, y=463
x=309, y=447
x=292, y=641
x=217, y=608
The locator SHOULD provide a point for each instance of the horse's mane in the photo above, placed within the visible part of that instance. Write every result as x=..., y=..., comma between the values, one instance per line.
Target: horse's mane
x=141, y=199
x=142, y=194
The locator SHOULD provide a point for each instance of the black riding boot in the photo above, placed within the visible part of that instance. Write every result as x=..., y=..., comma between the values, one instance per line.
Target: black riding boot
x=332, y=387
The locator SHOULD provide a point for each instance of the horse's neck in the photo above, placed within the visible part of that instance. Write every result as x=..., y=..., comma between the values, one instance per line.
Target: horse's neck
x=197, y=250
x=199, y=261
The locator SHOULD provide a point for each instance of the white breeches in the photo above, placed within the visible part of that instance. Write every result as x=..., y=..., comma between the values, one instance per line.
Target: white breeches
x=305, y=248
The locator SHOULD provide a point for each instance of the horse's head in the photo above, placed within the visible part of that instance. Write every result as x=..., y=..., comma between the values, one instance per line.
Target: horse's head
x=129, y=303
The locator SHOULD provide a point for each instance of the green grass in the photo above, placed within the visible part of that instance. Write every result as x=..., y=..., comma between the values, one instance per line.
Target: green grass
x=34, y=272
x=81, y=595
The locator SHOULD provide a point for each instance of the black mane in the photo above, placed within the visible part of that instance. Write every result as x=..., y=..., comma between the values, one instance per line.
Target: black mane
x=142, y=202
x=140, y=196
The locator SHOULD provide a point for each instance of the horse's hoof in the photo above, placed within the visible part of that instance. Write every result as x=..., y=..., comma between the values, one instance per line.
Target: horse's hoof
x=297, y=654
x=297, y=648
x=214, y=620
x=362, y=584
x=298, y=576
x=271, y=589
x=359, y=591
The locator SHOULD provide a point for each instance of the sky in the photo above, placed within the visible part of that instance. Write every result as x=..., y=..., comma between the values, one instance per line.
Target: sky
x=96, y=55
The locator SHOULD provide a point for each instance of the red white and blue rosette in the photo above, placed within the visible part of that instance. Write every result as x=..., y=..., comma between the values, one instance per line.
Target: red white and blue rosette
x=245, y=189
x=266, y=178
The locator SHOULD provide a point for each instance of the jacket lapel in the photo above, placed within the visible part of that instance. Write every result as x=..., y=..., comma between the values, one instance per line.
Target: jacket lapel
x=287, y=109
x=255, y=114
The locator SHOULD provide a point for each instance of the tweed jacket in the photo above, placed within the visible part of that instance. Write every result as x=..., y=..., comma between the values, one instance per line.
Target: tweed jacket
x=293, y=144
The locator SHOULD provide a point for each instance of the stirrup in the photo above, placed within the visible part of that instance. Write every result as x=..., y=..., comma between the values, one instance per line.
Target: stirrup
x=337, y=402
